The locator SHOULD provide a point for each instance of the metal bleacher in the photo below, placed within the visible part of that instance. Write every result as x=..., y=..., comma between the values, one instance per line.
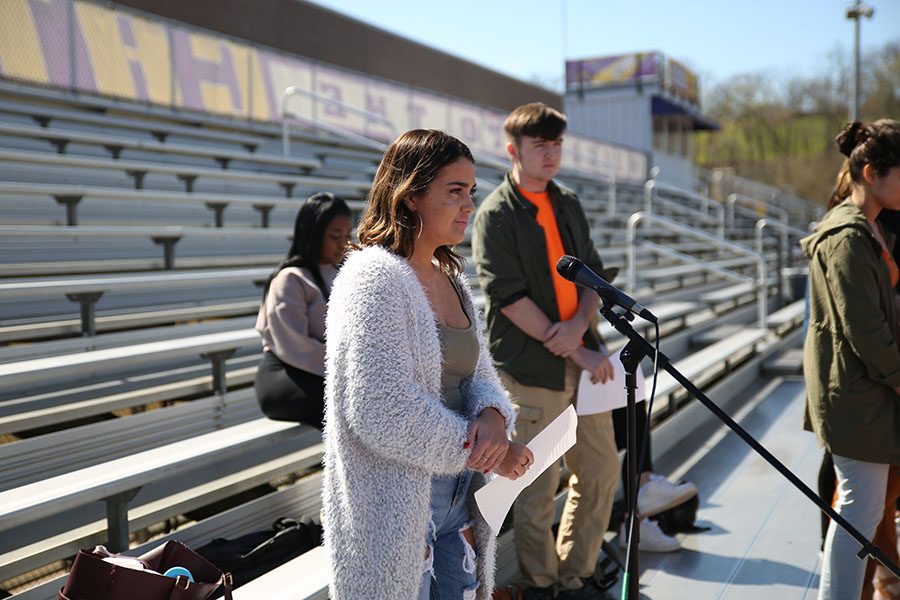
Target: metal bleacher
x=127, y=352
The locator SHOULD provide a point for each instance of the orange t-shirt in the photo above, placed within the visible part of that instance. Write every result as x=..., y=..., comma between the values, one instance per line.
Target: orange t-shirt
x=566, y=293
x=892, y=267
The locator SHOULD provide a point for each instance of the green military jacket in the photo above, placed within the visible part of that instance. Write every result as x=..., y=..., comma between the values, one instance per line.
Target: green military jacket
x=510, y=252
x=850, y=358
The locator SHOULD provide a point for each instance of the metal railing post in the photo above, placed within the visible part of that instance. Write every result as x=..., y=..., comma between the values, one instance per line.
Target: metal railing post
x=631, y=250
x=704, y=201
x=783, y=249
x=285, y=138
x=649, y=193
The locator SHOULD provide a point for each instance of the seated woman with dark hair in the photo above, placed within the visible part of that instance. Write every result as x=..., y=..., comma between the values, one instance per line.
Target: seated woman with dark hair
x=290, y=383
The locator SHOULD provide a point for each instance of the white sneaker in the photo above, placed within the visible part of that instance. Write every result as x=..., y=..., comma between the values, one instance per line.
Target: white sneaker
x=660, y=494
x=653, y=539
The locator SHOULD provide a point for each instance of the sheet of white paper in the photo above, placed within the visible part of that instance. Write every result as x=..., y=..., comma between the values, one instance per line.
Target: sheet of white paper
x=603, y=397
x=497, y=496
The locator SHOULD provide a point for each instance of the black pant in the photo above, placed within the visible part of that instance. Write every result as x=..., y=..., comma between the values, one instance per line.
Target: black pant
x=286, y=393
x=620, y=424
x=827, y=485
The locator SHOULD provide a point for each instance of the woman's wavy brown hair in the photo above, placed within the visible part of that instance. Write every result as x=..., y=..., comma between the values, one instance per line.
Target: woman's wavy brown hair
x=408, y=167
x=841, y=190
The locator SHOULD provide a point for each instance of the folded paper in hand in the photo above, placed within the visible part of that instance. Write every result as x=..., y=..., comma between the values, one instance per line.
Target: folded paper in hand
x=496, y=497
x=603, y=397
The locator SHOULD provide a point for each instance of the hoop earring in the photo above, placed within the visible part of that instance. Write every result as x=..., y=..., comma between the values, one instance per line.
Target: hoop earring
x=421, y=226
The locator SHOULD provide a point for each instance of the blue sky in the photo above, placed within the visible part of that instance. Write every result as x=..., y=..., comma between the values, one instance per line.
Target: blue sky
x=524, y=38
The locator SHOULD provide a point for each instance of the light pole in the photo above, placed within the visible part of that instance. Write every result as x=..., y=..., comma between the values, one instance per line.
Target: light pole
x=856, y=12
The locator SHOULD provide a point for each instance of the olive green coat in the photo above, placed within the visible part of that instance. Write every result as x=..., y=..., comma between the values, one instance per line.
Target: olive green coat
x=850, y=359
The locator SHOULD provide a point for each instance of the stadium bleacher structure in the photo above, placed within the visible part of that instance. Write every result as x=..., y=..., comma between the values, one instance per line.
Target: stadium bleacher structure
x=126, y=371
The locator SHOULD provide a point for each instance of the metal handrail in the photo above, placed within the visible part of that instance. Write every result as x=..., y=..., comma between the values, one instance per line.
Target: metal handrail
x=801, y=207
x=705, y=201
x=744, y=200
x=785, y=229
x=762, y=292
x=784, y=252
x=703, y=264
x=285, y=121
x=650, y=196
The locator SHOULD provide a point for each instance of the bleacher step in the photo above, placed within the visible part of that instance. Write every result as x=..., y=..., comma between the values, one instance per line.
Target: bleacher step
x=713, y=335
x=787, y=362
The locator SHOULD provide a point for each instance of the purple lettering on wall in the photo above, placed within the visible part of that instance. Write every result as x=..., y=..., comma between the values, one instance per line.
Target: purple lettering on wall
x=134, y=65
x=51, y=19
x=332, y=91
x=266, y=62
x=376, y=104
x=191, y=71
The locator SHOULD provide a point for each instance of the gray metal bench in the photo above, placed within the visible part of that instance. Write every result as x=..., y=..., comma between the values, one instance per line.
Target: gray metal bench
x=44, y=115
x=86, y=291
x=683, y=272
x=118, y=480
x=717, y=358
x=300, y=499
x=61, y=138
x=215, y=346
x=303, y=578
x=666, y=313
x=137, y=170
x=71, y=196
x=102, y=442
x=787, y=317
x=165, y=236
x=84, y=401
x=733, y=294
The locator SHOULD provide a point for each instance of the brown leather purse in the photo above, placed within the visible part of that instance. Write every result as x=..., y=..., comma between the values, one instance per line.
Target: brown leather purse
x=92, y=578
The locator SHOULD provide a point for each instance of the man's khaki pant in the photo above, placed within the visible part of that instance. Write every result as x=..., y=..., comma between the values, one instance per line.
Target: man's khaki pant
x=594, y=463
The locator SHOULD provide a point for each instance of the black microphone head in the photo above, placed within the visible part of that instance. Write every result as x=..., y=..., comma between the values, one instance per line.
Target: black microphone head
x=567, y=265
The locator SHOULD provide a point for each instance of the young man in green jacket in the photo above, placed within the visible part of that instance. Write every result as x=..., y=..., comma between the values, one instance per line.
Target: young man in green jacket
x=541, y=339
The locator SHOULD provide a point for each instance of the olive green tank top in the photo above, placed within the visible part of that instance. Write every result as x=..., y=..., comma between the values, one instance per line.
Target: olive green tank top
x=459, y=350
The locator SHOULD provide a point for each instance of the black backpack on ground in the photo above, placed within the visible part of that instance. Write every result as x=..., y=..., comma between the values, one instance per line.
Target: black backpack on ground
x=255, y=554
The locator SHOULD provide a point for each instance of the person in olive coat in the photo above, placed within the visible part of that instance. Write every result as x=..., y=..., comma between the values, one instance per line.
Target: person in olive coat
x=851, y=359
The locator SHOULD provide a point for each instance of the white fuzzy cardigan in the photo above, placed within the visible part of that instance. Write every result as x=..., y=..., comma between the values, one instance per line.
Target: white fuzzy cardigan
x=387, y=431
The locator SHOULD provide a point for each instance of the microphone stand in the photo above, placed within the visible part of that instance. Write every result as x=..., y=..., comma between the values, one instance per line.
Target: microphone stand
x=636, y=349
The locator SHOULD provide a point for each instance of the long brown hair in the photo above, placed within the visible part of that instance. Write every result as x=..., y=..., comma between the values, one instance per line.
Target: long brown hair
x=408, y=167
x=841, y=190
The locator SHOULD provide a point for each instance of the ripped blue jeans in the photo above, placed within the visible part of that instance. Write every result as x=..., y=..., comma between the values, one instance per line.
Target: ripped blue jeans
x=449, y=568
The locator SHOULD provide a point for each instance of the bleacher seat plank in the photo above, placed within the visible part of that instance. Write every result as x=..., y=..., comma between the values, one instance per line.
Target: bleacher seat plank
x=151, y=196
x=303, y=578
x=792, y=313
x=695, y=364
x=131, y=318
x=50, y=409
x=46, y=114
x=46, y=497
x=84, y=162
x=48, y=286
x=31, y=371
x=57, y=134
x=308, y=454
x=296, y=501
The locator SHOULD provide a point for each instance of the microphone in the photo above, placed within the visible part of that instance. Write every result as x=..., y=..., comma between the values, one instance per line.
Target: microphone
x=577, y=272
